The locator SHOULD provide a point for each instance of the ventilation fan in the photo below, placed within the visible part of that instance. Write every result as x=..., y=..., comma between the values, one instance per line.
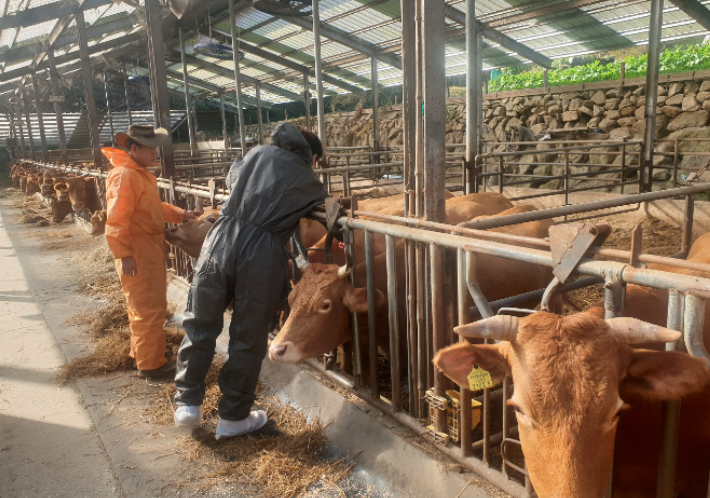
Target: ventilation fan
x=284, y=8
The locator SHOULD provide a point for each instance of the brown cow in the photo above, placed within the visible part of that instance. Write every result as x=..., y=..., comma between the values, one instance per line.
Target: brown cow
x=32, y=185
x=83, y=193
x=323, y=296
x=573, y=377
x=191, y=235
x=458, y=210
x=633, y=448
x=61, y=205
x=98, y=222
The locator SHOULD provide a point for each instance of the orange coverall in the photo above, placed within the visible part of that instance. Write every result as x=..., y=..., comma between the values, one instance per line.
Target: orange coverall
x=135, y=222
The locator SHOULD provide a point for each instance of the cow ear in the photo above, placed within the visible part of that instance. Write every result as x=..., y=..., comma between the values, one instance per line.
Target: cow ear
x=457, y=361
x=664, y=376
x=356, y=299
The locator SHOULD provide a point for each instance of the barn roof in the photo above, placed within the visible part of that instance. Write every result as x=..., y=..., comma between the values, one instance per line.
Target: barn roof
x=278, y=50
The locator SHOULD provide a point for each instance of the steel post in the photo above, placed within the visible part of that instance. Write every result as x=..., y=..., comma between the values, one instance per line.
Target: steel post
x=654, y=41
x=307, y=100
x=688, y=215
x=319, y=70
x=237, y=78
x=223, y=117
x=375, y=110
x=18, y=120
x=186, y=88
x=372, y=315
x=54, y=79
x=260, y=118
x=13, y=134
x=88, y=80
x=439, y=331
x=473, y=90
x=40, y=120
x=126, y=94
x=395, y=347
x=108, y=110
x=157, y=63
x=28, y=122
x=409, y=104
x=670, y=414
x=465, y=422
x=434, y=88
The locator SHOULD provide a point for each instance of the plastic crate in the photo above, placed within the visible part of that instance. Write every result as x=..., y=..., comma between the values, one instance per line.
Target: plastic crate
x=452, y=404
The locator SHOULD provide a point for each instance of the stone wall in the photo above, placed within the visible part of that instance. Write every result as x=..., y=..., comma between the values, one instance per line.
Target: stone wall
x=613, y=114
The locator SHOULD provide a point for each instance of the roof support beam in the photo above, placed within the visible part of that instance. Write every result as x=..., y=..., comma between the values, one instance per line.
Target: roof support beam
x=45, y=13
x=28, y=51
x=265, y=54
x=505, y=41
x=555, y=7
x=226, y=73
x=348, y=40
x=63, y=59
x=696, y=10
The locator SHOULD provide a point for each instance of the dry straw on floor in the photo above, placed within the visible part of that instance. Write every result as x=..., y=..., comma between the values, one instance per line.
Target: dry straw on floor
x=281, y=460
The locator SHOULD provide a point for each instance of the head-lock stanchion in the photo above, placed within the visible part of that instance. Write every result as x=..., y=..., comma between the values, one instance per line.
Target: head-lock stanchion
x=568, y=245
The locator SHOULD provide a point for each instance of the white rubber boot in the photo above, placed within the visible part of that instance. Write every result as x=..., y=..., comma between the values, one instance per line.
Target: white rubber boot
x=188, y=417
x=231, y=428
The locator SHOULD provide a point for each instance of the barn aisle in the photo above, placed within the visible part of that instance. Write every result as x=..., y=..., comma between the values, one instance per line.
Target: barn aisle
x=48, y=444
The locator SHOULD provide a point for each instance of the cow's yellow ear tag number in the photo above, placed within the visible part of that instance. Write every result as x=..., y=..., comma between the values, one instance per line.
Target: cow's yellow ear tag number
x=479, y=379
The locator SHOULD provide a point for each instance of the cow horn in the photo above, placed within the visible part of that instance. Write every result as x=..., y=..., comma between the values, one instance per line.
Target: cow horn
x=634, y=331
x=501, y=328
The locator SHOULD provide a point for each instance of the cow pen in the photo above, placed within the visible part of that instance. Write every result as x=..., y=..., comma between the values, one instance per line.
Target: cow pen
x=441, y=273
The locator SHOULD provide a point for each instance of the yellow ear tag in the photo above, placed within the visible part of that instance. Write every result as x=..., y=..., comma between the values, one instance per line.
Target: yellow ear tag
x=479, y=379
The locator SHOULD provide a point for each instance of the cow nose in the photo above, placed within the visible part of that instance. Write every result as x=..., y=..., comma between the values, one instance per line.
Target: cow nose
x=277, y=351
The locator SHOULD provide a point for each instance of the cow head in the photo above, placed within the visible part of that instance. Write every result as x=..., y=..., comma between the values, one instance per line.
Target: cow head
x=98, y=222
x=569, y=374
x=321, y=303
x=61, y=189
x=61, y=207
x=47, y=188
x=32, y=185
x=191, y=235
x=81, y=191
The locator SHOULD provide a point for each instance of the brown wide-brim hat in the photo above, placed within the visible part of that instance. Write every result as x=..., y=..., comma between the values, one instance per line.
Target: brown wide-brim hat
x=144, y=134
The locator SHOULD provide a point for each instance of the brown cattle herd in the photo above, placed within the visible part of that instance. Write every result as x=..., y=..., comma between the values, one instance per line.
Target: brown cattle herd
x=588, y=391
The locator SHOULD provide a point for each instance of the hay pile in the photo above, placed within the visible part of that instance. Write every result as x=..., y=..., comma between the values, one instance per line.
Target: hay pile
x=10, y=193
x=659, y=238
x=111, y=354
x=283, y=459
x=34, y=212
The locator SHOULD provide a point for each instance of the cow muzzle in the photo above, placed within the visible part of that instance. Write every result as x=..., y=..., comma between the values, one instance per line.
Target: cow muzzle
x=78, y=206
x=284, y=352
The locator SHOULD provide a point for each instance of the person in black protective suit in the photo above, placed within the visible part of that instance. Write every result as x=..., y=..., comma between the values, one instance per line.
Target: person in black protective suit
x=244, y=258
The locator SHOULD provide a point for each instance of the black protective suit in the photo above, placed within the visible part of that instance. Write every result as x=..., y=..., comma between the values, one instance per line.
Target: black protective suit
x=244, y=258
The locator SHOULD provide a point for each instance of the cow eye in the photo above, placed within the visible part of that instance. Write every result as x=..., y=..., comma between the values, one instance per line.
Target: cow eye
x=211, y=220
x=325, y=306
x=512, y=404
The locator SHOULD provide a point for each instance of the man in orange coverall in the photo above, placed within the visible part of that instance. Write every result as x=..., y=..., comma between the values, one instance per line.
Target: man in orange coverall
x=135, y=222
